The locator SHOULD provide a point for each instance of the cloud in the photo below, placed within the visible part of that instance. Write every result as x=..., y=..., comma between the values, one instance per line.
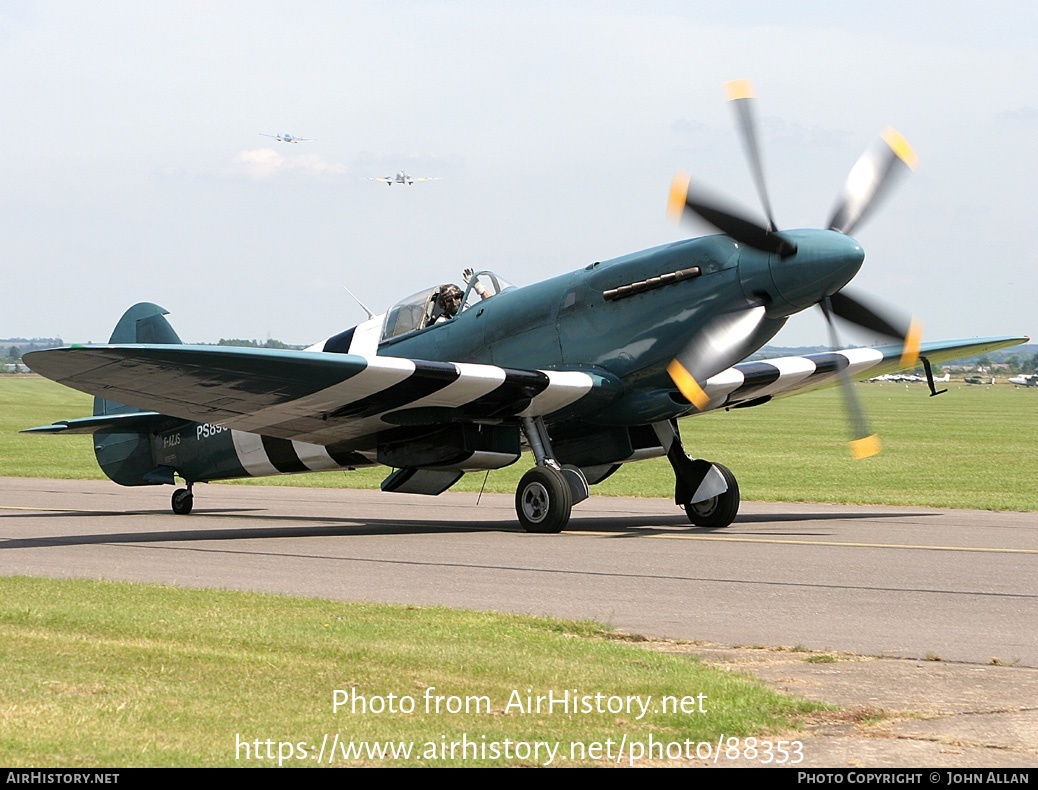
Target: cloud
x=1021, y=115
x=683, y=127
x=265, y=164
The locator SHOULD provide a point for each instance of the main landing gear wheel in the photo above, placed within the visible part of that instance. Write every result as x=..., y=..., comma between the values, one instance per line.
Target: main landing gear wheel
x=543, y=500
x=717, y=511
x=182, y=501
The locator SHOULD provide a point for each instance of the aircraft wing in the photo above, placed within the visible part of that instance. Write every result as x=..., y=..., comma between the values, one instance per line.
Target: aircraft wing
x=319, y=398
x=758, y=381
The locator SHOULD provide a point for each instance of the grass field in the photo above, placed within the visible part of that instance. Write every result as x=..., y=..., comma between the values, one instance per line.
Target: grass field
x=107, y=674
x=972, y=447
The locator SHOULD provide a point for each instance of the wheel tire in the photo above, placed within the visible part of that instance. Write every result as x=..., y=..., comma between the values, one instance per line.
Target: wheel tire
x=719, y=511
x=543, y=500
x=182, y=501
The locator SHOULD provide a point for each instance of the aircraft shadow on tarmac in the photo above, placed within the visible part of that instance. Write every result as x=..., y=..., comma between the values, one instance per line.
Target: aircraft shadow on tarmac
x=324, y=526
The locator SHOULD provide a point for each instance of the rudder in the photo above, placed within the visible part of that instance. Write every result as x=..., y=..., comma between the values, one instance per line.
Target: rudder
x=143, y=323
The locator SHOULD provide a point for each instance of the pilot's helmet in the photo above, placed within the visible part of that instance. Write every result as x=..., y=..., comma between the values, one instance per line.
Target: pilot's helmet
x=448, y=299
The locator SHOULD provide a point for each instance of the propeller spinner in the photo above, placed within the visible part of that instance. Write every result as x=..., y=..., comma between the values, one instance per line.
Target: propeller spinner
x=829, y=262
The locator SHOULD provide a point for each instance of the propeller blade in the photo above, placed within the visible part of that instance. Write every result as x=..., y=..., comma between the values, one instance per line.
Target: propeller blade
x=871, y=178
x=724, y=341
x=864, y=443
x=909, y=333
x=740, y=94
x=684, y=198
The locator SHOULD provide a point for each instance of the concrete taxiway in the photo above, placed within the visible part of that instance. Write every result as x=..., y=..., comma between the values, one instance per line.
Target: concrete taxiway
x=928, y=614
x=919, y=583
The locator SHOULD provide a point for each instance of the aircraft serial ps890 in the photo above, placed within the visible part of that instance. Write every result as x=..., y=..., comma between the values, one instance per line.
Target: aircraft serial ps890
x=589, y=370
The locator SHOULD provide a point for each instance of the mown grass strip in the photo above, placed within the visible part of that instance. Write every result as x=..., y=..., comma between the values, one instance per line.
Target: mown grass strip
x=116, y=674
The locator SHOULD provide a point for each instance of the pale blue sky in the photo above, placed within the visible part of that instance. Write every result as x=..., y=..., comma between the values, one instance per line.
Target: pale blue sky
x=132, y=166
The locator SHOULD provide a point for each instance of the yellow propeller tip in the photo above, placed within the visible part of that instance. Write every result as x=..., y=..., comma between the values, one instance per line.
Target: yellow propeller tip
x=913, y=344
x=738, y=89
x=899, y=145
x=687, y=385
x=865, y=447
x=678, y=194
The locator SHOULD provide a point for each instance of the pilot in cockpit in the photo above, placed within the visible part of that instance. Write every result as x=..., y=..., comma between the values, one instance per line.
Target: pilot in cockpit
x=447, y=299
x=448, y=302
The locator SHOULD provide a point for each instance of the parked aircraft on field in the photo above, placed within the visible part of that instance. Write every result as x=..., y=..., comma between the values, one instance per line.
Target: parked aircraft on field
x=911, y=378
x=287, y=138
x=588, y=370
x=401, y=178
x=979, y=379
x=1025, y=381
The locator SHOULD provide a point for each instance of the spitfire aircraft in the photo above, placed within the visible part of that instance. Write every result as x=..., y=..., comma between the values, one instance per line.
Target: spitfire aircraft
x=588, y=370
x=287, y=138
x=401, y=178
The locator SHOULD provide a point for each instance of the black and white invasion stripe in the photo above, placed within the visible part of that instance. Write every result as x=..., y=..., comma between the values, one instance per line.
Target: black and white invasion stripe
x=263, y=456
x=773, y=378
x=388, y=390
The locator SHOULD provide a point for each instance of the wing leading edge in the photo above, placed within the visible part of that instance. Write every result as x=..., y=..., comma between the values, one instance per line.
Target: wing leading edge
x=749, y=383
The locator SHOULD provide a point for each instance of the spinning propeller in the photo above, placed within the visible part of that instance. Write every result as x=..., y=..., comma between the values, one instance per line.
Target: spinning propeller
x=801, y=260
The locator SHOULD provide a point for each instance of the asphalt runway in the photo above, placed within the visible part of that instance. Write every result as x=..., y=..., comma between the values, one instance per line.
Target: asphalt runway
x=953, y=585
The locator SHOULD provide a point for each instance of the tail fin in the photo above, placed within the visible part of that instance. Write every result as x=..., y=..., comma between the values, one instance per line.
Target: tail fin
x=142, y=323
x=127, y=457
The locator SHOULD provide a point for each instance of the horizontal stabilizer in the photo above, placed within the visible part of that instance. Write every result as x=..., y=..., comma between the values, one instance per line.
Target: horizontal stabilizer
x=134, y=422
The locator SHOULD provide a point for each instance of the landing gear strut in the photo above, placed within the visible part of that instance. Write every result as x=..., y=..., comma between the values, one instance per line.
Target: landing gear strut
x=547, y=493
x=183, y=500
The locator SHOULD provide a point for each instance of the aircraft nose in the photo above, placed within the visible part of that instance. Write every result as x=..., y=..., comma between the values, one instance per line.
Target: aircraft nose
x=824, y=262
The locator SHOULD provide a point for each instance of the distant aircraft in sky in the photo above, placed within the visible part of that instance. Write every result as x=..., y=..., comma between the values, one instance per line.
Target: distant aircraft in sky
x=1025, y=381
x=401, y=178
x=287, y=138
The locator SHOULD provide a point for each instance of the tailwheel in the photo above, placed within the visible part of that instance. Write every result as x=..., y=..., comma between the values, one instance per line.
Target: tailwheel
x=182, y=501
x=717, y=511
x=543, y=500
